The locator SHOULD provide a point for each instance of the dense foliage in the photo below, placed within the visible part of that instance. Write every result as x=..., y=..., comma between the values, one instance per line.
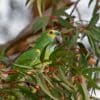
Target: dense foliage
x=71, y=69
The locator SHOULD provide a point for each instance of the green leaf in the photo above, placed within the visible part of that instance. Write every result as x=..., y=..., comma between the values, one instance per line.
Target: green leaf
x=91, y=40
x=27, y=92
x=64, y=79
x=61, y=12
x=48, y=80
x=92, y=83
x=40, y=23
x=95, y=35
x=93, y=43
x=55, y=1
x=97, y=50
x=62, y=83
x=94, y=20
x=63, y=22
x=96, y=31
x=84, y=87
x=41, y=82
x=56, y=92
x=61, y=56
x=95, y=15
x=73, y=39
x=80, y=90
x=87, y=70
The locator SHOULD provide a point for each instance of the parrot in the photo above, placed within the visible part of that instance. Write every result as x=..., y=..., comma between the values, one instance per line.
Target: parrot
x=31, y=56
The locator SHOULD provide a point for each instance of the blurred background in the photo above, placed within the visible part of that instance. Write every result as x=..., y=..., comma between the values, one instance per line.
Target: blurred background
x=14, y=16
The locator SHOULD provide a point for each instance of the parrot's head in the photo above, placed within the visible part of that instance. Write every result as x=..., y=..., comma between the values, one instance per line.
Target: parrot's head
x=55, y=35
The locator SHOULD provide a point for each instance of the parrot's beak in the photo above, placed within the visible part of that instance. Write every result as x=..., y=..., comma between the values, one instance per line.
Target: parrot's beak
x=59, y=39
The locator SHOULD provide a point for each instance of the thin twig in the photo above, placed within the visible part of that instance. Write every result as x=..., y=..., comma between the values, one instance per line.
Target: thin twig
x=74, y=7
x=79, y=15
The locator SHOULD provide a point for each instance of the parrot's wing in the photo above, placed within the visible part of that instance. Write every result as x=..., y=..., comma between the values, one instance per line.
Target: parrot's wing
x=27, y=57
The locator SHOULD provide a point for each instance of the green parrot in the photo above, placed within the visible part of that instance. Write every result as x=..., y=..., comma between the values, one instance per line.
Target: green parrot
x=31, y=56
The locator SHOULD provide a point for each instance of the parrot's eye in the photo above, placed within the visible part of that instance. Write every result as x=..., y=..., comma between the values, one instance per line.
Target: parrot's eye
x=51, y=32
